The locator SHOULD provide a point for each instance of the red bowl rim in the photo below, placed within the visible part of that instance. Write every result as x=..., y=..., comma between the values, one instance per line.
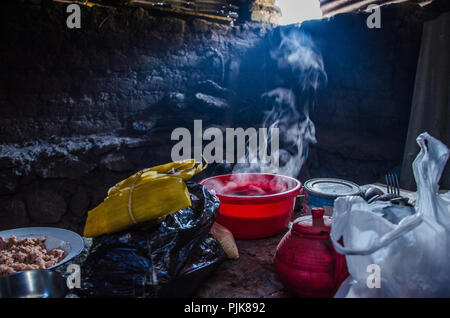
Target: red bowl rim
x=258, y=199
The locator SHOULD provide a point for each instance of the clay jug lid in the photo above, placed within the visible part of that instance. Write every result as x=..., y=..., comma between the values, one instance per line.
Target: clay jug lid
x=316, y=223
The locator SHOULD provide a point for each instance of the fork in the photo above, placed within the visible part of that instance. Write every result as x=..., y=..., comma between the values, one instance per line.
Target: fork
x=392, y=192
x=393, y=189
x=392, y=184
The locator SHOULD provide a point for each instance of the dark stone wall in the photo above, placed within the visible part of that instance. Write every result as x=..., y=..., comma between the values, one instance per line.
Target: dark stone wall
x=63, y=82
x=82, y=109
x=362, y=115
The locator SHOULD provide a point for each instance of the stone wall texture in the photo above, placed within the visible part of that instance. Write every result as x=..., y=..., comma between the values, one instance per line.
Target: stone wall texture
x=362, y=115
x=81, y=109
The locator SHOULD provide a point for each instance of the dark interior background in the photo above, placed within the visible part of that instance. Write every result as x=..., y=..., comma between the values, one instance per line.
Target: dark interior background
x=81, y=109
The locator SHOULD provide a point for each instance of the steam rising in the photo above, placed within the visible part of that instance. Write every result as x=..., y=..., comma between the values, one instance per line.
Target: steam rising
x=301, y=65
x=297, y=53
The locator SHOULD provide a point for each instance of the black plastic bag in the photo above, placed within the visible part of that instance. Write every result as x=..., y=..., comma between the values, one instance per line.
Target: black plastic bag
x=204, y=260
x=169, y=260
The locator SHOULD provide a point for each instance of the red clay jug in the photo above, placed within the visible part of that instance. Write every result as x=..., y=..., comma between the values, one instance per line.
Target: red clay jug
x=306, y=261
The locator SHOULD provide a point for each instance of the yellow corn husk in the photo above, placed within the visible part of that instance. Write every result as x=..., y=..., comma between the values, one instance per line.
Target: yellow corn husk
x=185, y=170
x=157, y=192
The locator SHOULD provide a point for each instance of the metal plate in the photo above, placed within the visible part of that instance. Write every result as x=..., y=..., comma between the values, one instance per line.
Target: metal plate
x=67, y=240
x=331, y=188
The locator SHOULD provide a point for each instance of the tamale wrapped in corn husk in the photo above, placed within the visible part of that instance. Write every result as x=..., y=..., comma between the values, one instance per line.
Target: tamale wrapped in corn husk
x=155, y=193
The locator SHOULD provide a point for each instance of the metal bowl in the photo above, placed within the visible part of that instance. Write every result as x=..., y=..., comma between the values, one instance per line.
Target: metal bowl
x=33, y=284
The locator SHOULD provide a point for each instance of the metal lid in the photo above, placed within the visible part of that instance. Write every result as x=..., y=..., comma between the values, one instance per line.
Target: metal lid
x=331, y=188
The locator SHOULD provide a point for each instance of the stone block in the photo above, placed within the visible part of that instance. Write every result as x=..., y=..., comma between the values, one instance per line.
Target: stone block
x=116, y=162
x=69, y=166
x=45, y=206
x=79, y=203
x=13, y=214
x=9, y=180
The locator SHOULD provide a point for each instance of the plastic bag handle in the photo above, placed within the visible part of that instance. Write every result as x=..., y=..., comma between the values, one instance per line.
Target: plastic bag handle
x=427, y=167
x=405, y=225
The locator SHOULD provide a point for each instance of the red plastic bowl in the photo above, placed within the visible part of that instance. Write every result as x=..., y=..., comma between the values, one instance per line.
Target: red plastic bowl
x=254, y=205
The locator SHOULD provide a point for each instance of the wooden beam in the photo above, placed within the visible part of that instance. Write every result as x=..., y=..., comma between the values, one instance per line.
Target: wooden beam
x=150, y=6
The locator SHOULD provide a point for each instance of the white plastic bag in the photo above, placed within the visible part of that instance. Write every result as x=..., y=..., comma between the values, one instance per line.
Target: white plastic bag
x=412, y=258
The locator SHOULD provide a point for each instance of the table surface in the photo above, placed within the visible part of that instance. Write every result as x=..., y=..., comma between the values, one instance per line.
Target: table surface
x=253, y=274
x=250, y=276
